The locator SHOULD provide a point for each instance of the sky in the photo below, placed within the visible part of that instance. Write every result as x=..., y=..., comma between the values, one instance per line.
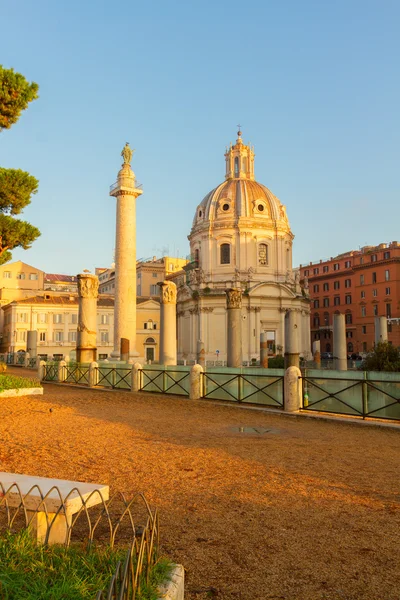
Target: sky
x=315, y=86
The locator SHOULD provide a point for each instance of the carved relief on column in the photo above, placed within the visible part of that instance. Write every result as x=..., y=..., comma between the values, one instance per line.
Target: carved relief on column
x=168, y=292
x=88, y=285
x=233, y=298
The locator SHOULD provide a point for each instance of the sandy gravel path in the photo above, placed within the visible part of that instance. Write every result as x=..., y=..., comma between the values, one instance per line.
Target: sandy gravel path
x=307, y=510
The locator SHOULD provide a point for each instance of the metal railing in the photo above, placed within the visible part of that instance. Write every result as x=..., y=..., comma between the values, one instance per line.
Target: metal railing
x=111, y=522
x=165, y=381
x=50, y=372
x=116, y=378
x=267, y=390
x=76, y=373
x=363, y=397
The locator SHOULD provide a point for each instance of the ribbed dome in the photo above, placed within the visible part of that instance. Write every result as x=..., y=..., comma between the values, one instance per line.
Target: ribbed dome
x=241, y=199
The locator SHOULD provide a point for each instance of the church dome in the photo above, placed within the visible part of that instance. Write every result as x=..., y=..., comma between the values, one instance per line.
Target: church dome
x=240, y=198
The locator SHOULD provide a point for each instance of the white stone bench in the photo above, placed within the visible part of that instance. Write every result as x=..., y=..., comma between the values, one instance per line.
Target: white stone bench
x=43, y=500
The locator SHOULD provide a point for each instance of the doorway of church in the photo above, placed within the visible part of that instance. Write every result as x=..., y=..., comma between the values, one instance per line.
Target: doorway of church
x=149, y=354
x=271, y=341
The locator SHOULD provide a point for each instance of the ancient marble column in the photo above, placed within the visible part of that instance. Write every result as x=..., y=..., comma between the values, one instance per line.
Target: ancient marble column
x=234, y=341
x=86, y=347
x=339, y=343
x=292, y=335
x=31, y=343
x=168, y=354
x=381, y=331
x=263, y=351
x=126, y=192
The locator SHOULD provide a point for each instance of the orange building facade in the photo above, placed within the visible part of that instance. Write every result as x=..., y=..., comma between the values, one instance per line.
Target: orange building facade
x=361, y=284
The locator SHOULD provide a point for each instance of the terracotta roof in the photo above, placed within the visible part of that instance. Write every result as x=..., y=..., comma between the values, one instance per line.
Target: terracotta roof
x=56, y=277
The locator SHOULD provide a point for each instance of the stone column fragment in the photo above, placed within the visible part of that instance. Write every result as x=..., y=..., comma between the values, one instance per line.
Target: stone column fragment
x=339, y=343
x=234, y=341
x=201, y=354
x=381, y=330
x=168, y=351
x=292, y=334
x=31, y=343
x=86, y=348
x=263, y=351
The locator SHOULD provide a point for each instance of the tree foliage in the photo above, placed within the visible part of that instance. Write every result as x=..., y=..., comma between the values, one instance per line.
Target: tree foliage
x=384, y=357
x=15, y=94
x=16, y=186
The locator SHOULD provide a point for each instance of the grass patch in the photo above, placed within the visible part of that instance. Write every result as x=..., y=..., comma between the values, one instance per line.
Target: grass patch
x=31, y=571
x=12, y=382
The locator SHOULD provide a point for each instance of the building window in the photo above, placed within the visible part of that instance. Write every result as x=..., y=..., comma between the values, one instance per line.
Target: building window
x=7, y=274
x=387, y=275
x=326, y=302
x=364, y=329
x=389, y=310
x=326, y=287
x=57, y=318
x=374, y=292
x=387, y=291
x=347, y=264
x=326, y=318
x=336, y=301
x=42, y=318
x=363, y=311
x=373, y=257
x=20, y=275
x=316, y=288
x=386, y=255
x=154, y=290
x=104, y=337
x=58, y=336
x=225, y=254
x=348, y=299
x=364, y=346
x=316, y=321
x=262, y=254
x=336, y=267
x=154, y=275
x=362, y=294
x=348, y=318
x=374, y=277
x=350, y=347
x=349, y=334
x=74, y=318
x=104, y=319
x=347, y=283
x=316, y=271
x=375, y=309
x=22, y=317
x=42, y=336
x=236, y=166
x=362, y=279
x=72, y=336
x=325, y=269
x=22, y=336
x=316, y=303
x=336, y=285
x=306, y=273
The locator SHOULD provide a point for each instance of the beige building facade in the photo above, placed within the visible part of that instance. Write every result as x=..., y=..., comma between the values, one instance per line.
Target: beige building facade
x=240, y=238
x=55, y=317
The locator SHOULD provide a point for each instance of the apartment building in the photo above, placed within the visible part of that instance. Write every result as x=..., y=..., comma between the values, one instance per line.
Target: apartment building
x=55, y=317
x=149, y=272
x=362, y=284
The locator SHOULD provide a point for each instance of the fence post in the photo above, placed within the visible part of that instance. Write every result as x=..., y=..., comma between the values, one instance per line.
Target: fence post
x=93, y=374
x=136, y=382
x=292, y=390
x=27, y=359
x=364, y=396
x=195, y=382
x=62, y=371
x=41, y=370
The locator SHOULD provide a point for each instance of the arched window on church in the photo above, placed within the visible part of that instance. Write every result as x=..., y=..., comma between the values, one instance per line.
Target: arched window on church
x=236, y=166
x=225, y=254
x=263, y=254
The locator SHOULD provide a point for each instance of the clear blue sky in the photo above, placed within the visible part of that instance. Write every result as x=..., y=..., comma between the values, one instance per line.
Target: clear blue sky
x=315, y=85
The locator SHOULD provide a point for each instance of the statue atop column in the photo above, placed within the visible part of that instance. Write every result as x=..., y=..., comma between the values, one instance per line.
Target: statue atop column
x=127, y=154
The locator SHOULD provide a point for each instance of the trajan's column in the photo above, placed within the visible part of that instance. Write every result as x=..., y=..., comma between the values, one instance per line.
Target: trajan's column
x=126, y=192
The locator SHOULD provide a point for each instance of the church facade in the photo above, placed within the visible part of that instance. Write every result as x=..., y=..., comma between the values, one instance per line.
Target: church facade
x=240, y=238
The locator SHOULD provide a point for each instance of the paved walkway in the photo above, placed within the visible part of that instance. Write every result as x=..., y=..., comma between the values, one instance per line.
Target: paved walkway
x=254, y=505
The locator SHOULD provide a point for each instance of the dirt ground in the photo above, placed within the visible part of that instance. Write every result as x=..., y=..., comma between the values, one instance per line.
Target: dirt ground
x=304, y=511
